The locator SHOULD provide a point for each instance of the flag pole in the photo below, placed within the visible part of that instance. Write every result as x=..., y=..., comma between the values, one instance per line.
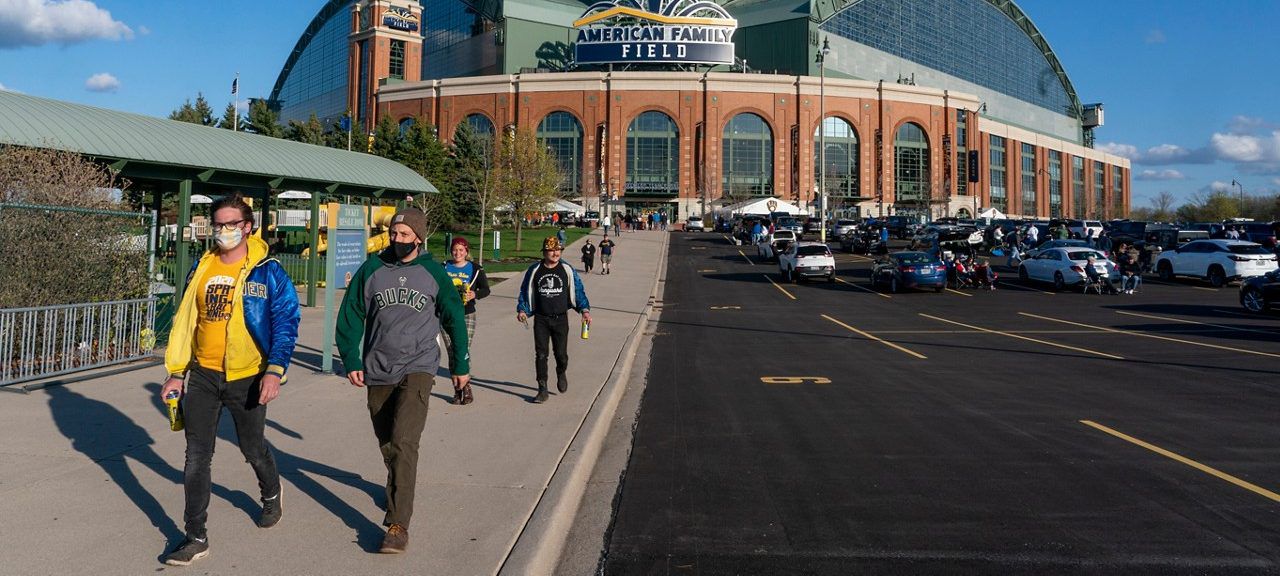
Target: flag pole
x=235, y=94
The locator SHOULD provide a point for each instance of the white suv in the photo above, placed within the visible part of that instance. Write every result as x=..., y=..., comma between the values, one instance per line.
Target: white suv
x=1217, y=261
x=807, y=259
x=1082, y=228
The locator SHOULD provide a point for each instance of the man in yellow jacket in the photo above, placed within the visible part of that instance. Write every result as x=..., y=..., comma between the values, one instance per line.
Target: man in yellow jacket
x=232, y=340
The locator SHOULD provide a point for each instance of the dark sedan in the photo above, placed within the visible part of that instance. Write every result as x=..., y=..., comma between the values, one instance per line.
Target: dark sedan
x=1260, y=293
x=904, y=270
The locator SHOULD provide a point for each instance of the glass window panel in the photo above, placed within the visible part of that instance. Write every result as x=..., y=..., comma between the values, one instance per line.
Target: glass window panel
x=748, y=156
x=842, y=168
x=911, y=166
x=653, y=153
x=562, y=134
x=1028, y=179
x=999, y=172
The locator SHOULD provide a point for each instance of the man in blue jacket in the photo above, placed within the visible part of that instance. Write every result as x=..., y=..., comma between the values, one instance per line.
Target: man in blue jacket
x=548, y=291
x=233, y=335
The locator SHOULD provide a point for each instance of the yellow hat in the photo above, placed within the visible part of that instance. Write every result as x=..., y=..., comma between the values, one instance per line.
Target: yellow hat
x=552, y=243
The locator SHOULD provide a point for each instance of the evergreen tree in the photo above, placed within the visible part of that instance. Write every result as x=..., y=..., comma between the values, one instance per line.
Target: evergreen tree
x=203, y=112
x=470, y=166
x=185, y=113
x=386, y=139
x=263, y=120
x=336, y=137
x=422, y=152
x=310, y=132
x=228, y=120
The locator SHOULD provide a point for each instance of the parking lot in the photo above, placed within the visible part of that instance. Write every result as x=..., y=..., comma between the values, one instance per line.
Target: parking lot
x=819, y=428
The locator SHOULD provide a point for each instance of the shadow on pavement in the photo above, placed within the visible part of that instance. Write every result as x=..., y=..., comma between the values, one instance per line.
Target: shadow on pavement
x=110, y=438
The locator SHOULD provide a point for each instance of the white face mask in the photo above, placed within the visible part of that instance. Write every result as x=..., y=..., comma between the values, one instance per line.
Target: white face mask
x=227, y=241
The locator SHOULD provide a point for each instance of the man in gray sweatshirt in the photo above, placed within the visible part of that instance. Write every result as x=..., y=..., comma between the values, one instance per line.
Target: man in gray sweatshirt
x=394, y=308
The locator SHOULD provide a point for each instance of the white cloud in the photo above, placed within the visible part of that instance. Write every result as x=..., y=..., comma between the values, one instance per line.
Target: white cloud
x=1163, y=154
x=38, y=22
x=1241, y=147
x=1166, y=174
x=1218, y=186
x=1155, y=36
x=143, y=30
x=1275, y=181
x=102, y=82
x=6, y=88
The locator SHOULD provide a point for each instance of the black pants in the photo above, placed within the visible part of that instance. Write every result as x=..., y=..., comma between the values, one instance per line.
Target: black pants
x=555, y=328
x=207, y=393
x=588, y=263
x=399, y=414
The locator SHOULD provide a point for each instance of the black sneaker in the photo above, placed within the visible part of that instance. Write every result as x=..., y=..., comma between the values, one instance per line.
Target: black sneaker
x=189, y=551
x=562, y=383
x=542, y=393
x=271, y=510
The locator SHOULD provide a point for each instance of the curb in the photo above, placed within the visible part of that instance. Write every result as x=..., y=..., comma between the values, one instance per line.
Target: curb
x=538, y=547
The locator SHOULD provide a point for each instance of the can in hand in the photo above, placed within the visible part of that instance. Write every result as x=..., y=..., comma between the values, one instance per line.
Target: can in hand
x=175, y=410
x=586, y=330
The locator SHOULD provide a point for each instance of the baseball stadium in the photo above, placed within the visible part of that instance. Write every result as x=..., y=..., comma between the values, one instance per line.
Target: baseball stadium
x=927, y=108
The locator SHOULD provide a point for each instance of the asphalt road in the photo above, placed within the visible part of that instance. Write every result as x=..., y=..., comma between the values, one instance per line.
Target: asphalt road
x=828, y=429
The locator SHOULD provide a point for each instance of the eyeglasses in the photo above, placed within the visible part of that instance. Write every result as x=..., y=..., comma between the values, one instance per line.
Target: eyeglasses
x=227, y=225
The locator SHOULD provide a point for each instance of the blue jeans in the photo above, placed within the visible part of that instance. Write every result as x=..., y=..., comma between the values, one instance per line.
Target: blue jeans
x=1131, y=282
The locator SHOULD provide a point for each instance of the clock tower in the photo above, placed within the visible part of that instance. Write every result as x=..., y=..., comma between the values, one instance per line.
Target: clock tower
x=385, y=48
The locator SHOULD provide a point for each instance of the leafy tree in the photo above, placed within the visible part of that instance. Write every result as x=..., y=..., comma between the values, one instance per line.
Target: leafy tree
x=528, y=176
x=229, y=119
x=386, y=138
x=263, y=120
x=309, y=132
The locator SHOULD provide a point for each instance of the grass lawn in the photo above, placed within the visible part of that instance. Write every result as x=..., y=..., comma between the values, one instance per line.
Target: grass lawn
x=511, y=260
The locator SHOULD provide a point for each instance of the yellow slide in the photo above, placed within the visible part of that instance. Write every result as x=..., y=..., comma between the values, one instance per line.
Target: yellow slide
x=381, y=218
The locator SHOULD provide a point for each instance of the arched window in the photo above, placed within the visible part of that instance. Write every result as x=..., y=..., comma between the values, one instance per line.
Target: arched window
x=911, y=167
x=405, y=125
x=561, y=133
x=482, y=128
x=653, y=155
x=748, y=156
x=841, y=166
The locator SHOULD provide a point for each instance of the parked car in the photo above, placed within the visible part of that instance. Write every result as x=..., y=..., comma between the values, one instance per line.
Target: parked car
x=900, y=227
x=1216, y=261
x=935, y=237
x=1058, y=244
x=1130, y=232
x=591, y=218
x=743, y=224
x=694, y=224
x=812, y=225
x=1260, y=293
x=1082, y=227
x=841, y=226
x=789, y=223
x=1263, y=233
x=773, y=244
x=807, y=260
x=904, y=270
x=1064, y=266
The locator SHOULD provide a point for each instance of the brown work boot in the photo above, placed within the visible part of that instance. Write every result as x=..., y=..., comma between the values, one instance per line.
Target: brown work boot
x=396, y=540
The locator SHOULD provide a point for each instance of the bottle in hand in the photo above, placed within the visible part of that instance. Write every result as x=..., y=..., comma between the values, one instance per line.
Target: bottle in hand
x=586, y=330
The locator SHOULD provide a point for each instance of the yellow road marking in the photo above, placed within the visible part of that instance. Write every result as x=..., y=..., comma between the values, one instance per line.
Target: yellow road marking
x=882, y=341
x=1036, y=340
x=860, y=287
x=697, y=247
x=1246, y=315
x=853, y=258
x=794, y=379
x=707, y=270
x=1189, y=462
x=1194, y=322
x=1145, y=335
x=1203, y=288
x=748, y=259
x=960, y=293
x=1021, y=287
x=726, y=307
x=775, y=285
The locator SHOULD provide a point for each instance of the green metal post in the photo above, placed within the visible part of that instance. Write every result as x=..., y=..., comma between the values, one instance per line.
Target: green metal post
x=182, y=259
x=313, y=259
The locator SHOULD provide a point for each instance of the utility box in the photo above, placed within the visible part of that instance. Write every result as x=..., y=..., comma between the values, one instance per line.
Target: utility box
x=1092, y=117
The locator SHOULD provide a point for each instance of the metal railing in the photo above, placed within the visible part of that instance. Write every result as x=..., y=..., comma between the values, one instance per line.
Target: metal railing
x=49, y=341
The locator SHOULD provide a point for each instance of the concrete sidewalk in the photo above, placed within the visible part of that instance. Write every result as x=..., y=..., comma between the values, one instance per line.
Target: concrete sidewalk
x=91, y=476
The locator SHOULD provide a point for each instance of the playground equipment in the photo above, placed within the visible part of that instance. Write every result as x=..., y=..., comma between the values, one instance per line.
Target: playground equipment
x=380, y=219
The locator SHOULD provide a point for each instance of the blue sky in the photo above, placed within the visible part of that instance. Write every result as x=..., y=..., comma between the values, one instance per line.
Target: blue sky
x=1189, y=86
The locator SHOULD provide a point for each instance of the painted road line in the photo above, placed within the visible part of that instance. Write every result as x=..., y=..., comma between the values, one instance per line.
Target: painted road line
x=1235, y=313
x=1196, y=323
x=860, y=287
x=707, y=270
x=1189, y=462
x=1203, y=288
x=1145, y=335
x=1021, y=287
x=726, y=307
x=747, y=258
x=882, y=341
x=775, y=285
x=1028, y=339
x=960, y=293
x=728, y=239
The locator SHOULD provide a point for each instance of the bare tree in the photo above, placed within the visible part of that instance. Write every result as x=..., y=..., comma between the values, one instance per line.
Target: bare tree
x=527, y=176
x=1162, y=206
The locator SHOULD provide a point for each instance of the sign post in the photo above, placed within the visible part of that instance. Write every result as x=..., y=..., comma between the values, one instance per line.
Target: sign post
x=348, y=239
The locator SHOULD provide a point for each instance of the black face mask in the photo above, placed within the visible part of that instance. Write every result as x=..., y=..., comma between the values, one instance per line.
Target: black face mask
x=402, y=249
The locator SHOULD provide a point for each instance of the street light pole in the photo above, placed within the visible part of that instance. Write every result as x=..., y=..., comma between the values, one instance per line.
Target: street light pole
x=1237, y=184
x=822, y=139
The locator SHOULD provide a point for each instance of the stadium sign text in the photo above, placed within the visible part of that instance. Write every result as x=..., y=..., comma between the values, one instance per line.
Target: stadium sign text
x=655, y=32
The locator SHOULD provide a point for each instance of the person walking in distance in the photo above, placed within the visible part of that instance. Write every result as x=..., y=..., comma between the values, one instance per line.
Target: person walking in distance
x=469, y=280
x=589, y=255
x=398, y=301
x=606, y=254
x=548, y=291
x=232, y=340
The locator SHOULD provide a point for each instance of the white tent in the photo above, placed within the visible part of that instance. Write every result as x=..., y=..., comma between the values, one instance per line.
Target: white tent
x=991, y=214
x=560, y=205
x=760, y=206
